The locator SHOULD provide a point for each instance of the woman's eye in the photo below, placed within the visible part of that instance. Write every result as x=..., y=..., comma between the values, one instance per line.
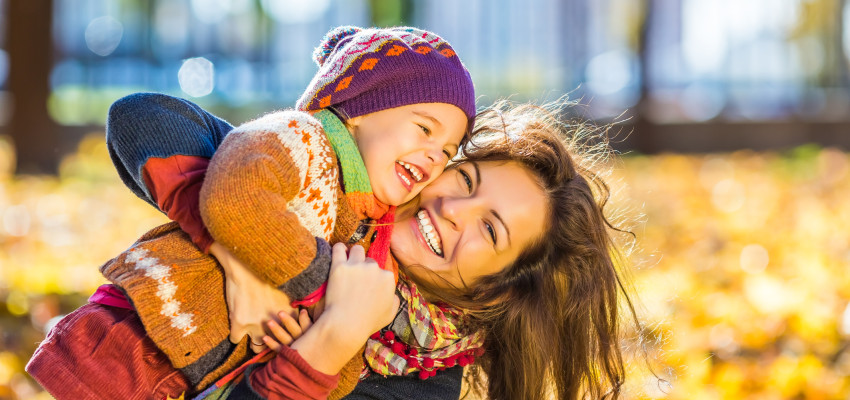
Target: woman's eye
x=448, y=155
x=491, y=231
x=426, y=130
x=466, y=180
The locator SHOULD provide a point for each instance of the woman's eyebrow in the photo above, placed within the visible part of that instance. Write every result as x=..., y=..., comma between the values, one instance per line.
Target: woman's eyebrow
x=428, y=117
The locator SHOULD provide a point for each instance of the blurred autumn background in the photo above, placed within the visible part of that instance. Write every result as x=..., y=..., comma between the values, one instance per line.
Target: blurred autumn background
x=736, y=158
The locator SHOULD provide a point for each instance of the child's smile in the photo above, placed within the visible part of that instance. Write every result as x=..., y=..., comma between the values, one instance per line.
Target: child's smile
x=410, y=174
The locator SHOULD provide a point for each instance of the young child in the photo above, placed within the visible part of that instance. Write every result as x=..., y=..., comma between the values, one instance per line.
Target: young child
x=385, y=112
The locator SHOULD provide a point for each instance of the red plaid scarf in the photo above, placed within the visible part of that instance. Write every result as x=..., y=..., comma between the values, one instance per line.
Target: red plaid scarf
x=424, y=337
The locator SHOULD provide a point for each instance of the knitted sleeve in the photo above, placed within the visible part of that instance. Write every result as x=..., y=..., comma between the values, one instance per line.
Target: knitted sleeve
x=287, y=376
x=174, y=184
x=270, y=195
x=142, y=126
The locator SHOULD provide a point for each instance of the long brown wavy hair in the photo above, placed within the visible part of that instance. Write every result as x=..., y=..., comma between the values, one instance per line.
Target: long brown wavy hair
x=551, y=320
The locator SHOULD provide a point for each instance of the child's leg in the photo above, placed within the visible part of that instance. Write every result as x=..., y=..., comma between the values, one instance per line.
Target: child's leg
x=99, y=352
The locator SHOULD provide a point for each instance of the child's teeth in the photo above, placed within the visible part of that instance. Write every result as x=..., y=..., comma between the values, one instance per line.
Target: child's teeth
x=413, y=171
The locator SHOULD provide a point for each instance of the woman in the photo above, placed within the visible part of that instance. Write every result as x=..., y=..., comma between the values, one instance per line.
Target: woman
x=523, y=247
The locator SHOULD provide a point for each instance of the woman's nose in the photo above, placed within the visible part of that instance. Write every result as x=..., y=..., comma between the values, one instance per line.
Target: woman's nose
x=460, y=210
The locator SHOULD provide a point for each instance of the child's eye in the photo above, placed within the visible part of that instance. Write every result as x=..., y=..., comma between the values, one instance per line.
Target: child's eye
x=448, y=155
x=466, y=180
x=426, y=130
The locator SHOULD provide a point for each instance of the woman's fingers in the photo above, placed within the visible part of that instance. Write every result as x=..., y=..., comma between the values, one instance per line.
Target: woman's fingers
x=339, y=254
x=356, y=254
x=370, y=262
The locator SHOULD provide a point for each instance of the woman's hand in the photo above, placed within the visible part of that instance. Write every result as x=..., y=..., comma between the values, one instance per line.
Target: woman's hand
x=250, y=301
x=360, y=295
x=359, y=301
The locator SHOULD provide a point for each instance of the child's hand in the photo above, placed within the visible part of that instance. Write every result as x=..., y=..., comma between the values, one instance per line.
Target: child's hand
x=250, y=301
x=289, y=332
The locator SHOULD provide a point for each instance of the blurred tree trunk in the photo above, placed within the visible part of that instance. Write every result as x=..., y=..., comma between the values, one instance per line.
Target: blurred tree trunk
x=29, y=42
x=641, y=137
x=841, y=55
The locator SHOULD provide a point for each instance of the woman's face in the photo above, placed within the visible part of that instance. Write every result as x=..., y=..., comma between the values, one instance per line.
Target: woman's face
x=473, y=220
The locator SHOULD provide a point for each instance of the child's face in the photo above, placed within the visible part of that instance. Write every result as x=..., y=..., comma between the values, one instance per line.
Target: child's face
x=405, y=148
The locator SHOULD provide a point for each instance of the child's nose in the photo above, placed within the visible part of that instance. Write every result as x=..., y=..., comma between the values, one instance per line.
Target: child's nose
x=438, y=157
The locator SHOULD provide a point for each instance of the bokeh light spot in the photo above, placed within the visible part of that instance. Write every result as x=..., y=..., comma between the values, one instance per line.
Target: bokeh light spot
x=754, y=258
x=8, y=366
x=211, y=11
x=609, y=72
x=769, y=295
x=197, y=77
x=103, y=35
x=845, y=321
x=17, y=220
x=714, y=170
x=701, y=102
x=17, y=303
x=728, y=195
x=295, y=11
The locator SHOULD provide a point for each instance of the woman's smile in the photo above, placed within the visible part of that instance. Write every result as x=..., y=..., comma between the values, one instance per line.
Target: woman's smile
x=430, y=235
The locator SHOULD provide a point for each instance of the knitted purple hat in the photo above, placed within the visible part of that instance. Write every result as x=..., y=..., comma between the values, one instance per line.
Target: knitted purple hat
x=366, y=70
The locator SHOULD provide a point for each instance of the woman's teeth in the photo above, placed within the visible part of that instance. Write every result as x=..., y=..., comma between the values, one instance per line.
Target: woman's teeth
x=428, y=231
x=414, y=171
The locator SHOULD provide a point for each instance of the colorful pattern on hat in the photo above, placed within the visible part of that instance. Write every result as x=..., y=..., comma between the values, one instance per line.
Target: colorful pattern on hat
x=367, y=70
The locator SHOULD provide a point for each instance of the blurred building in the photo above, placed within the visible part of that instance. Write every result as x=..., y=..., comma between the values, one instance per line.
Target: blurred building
x=768, y=73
